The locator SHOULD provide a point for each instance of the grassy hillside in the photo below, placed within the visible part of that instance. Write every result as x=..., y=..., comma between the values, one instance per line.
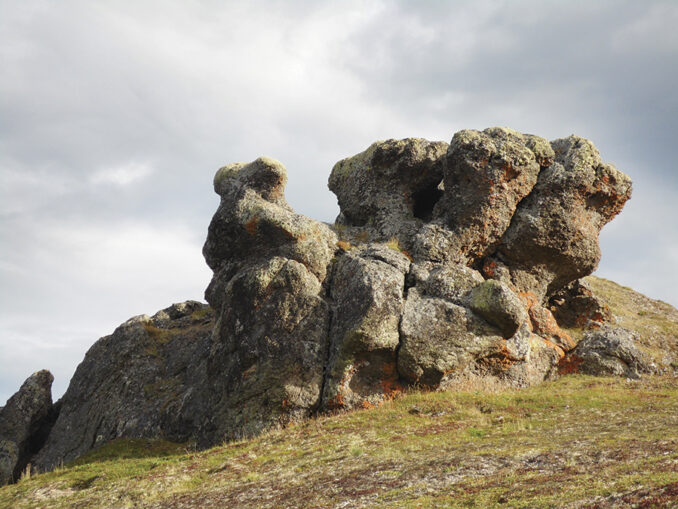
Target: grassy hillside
x=573, y=442
x=655, y=321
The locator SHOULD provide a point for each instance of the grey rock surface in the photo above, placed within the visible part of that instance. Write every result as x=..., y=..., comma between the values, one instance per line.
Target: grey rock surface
x=24, y=423
x=576, y=305
x=609, y=351
x=440, y=338
x=9, y=457
x=367, y=302
x=486, y=175
x=269, y=346
x=553, y=237
x=391, y=187
x=141, y=381
x=497, y=304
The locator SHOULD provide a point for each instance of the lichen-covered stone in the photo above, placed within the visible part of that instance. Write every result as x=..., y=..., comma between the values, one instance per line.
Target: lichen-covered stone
x=390, y=187
x=442, y=266
x=268, y=350
x=497, y=304
x=486, y=175
x=9, y=457
x=608, y=351
x=254, y=223
x=452, y=282
x=577, y=306
x=553, y=237
x=439, y=338
x=367, y=301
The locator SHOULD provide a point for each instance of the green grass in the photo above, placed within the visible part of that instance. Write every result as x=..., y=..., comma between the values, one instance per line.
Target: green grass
x=564, y=441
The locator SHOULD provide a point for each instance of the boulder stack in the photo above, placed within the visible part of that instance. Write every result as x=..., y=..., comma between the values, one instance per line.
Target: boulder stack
x=446, y=263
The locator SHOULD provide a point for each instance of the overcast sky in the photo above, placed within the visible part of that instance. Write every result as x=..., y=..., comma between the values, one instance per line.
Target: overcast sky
x=114, y=117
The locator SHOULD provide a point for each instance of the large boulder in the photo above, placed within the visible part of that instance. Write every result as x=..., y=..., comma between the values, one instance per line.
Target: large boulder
x=497, y=304
x=143, y=380
x=269, y=346
x=367, y=298
x=390, y=187
x=486, y=175
x=25, y=422
x=268, y=350
x=440, y=338
x=576, y=305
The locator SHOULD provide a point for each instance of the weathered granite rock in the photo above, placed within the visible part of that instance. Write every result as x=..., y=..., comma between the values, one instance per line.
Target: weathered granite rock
x=439, y=338
x=254, y=223
x=497, y=304
x=438, y=269
x=367, y=303
x=390, y=186
x=24, y=423
x=9, y=457
x=269, y=347
x=268, y=350
x=607, y=351
x=553, y=237
x=452, y=282
x=486, y=175
x=144, y=380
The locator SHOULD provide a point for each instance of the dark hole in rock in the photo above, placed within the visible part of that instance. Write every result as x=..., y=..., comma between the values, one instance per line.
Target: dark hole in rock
x=425, y=200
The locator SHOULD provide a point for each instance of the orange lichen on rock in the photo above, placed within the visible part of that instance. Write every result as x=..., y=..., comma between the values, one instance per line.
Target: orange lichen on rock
x=489, y=268
x=390, y=385
x=558, y=349
x=338, y=401
x=344, y=245
x=569, y=365
x=251, y=225
x=498, y=361
x=544, y=324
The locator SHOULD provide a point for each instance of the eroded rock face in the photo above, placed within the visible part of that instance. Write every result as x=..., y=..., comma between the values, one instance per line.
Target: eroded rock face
x=144, y=380
x=367, y=298
x=439, y=268
x=25, y=422
x=553, y=237
x=270, y=343
x=392, y=186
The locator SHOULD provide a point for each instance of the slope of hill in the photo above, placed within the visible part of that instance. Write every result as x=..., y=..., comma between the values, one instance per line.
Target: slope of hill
x=655, y=321
x=575, y=442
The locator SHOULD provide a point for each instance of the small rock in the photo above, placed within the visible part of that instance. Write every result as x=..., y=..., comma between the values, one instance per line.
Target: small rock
x=610, y=351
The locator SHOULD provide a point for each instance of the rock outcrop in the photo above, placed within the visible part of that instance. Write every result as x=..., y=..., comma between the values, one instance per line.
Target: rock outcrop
x=447, y=262
x=144, y=380
x=25, y=422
